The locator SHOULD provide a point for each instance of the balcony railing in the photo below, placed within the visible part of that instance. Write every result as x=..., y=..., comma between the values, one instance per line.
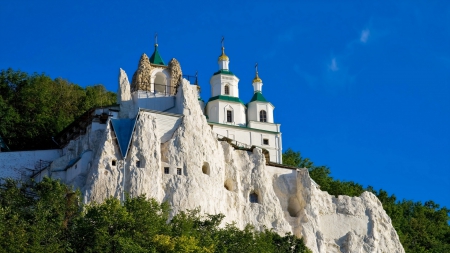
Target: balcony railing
x=191, y=79
x=162, y=89
x=242, y=146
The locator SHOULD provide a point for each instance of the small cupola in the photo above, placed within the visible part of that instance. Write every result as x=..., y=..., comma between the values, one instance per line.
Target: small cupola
x=257, y=82
x=156, y=58
x=223, y=59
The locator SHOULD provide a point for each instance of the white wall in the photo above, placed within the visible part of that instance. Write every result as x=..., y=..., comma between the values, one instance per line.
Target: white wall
x=255, y=107
x=14, y=164
x=80, y=167
x=148, y=100
x=264, y=126
x=166, y=124
x=218, y=83
x=95, y=125
x=217, y=112
x=162, y=72
x=253, y=137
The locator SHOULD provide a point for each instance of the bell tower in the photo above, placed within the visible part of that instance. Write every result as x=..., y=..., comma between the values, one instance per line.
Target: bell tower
x=259, y=109
x=224, y=106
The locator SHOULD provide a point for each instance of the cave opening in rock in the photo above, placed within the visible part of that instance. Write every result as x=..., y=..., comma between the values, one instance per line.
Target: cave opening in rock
x=253, y=197
x=229, y=185
x=205, y=168
x=293, y=207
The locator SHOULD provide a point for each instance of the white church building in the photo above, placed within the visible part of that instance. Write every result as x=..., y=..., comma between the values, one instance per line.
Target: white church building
x=251, y=123
x=154, y=89
x=162, y=141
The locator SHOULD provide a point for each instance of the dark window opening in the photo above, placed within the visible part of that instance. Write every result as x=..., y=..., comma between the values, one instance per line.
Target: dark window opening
x=179, y=171
x=229, y=116
x=262, y=116
x=166, y=170
x=205, y=168
x=227, y=90
x=253, y=197
x=266, y=141
x=138, y=164
x=113, y=163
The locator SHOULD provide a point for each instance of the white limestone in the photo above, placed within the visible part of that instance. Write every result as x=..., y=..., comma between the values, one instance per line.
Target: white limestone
x=175, y=156
x=124, y=98
x=218, y=179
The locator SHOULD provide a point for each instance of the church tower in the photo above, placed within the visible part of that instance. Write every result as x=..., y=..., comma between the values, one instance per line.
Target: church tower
x=259, y=109
x=224, y=106
x=154, y=83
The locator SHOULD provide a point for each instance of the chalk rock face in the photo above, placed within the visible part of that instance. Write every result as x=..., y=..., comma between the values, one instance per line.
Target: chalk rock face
x=142, y=77
x=74, y=150
x=103, y=179
x=344, y=224
x=141, y=175
x=193, y=169
x=124, y=96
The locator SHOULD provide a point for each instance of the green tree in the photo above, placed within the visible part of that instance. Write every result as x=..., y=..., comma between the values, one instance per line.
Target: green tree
x=421, y=227
x=33, y=108
x=48, y=217
x=36, y=217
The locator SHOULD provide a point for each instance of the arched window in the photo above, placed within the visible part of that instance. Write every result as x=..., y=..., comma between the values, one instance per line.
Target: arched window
x=229, y=116
x=253, y=197
x=227, y=90
x=262, y=116
x=160, y=83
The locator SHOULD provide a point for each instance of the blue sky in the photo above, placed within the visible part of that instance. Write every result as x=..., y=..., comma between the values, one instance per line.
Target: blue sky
x=360, y=86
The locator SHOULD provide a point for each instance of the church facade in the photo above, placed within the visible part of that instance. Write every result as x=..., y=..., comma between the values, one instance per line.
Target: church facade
x=154, y=89
x=162, y=141
x=250, y=124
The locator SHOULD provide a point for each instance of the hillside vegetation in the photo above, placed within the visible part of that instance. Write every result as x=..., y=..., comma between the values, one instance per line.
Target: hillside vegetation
x=48, y=217
x=422, y=227
x=33, y=108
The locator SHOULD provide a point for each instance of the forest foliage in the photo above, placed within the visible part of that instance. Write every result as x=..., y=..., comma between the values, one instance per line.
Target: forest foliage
x=33, y=108
x=49, y=217
x=421, y=227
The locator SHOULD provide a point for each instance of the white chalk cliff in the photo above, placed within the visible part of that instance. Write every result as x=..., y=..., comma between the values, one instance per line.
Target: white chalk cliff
x=219, y=179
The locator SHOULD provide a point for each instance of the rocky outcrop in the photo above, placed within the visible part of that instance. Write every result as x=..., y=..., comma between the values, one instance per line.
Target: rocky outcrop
x=195, y=170
x=343, y=224
x=142, y=77
x=104, y=178
x=124, y=96
x=176, y=75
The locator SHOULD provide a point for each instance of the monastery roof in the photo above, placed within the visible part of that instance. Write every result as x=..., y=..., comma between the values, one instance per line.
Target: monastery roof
x=156, y=58
x=226, y=98
x=123, y=129
x=225, y=72
x=258, y=96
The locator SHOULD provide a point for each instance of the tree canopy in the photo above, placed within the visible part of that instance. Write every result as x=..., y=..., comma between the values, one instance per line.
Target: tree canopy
x=422, y=227
x=49, y=217
x=33, y=108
